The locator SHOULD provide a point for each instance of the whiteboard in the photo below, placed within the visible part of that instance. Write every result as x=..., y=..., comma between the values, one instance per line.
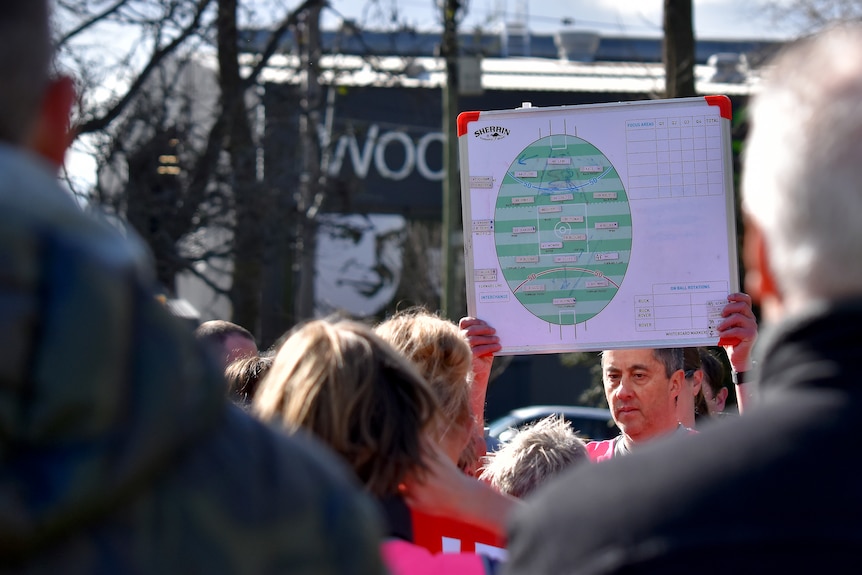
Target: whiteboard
x=600, y=226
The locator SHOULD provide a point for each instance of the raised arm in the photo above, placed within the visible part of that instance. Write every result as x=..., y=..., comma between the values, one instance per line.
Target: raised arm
x=737, y=335
x=484, y=343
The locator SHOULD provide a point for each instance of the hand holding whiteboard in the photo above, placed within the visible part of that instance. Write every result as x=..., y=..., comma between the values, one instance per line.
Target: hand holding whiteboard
x=599, y=226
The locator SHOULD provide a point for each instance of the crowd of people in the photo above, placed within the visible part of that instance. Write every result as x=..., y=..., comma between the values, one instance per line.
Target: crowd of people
x=131, y=444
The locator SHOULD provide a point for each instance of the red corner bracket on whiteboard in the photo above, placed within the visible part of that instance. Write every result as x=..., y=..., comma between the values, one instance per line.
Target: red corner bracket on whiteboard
x=724, y=106
x=465, y=118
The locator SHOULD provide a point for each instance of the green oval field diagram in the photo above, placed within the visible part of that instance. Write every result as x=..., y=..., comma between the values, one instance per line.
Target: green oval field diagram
x=563, y=229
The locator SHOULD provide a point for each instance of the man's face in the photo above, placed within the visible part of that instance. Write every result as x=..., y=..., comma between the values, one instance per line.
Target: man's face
x=641, y=396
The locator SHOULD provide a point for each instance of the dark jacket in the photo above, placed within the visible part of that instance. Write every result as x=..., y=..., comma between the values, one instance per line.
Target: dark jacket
x=773, y=491
x=119, y=451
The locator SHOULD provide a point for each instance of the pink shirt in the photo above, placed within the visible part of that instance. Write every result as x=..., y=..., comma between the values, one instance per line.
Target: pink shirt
x=604, y=450
x=405, y=558
x=600, y=450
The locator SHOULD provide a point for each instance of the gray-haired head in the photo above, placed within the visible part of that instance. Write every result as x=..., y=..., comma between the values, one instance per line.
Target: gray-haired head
x=536, y=453
x=803, y=166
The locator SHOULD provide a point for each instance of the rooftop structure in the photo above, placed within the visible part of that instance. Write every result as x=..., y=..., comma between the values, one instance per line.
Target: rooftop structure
x=520, y=74
x=417, y=44
x=383, y=101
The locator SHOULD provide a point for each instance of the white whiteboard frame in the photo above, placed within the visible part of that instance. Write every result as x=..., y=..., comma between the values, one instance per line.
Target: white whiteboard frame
x=479, y=134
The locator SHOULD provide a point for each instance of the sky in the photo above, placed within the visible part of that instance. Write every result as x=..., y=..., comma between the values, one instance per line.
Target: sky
x=721, y=19
x=713, y=18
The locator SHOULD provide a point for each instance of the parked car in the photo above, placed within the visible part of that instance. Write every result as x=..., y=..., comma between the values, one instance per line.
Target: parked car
x=588, y=422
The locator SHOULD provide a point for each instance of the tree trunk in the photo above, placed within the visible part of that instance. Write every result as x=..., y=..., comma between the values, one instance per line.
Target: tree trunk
x=310, y=184
x=249, y=204
x=678, y=50
x=453, y=301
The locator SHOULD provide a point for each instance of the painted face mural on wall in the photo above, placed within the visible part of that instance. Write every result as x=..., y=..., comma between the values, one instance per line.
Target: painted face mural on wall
x=359, y=262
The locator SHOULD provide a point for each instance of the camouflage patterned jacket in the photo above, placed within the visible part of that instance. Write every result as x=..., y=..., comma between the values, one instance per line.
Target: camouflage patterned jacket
x=119, y=451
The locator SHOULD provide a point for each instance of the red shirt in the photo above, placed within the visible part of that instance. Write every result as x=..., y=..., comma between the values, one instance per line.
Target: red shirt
x=448, y=535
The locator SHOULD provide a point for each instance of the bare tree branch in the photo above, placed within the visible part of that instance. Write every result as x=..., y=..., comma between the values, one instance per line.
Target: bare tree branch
x=92, y=21
x=100, y=123
x=207, y=281
x=275, y=37
x=806, y=16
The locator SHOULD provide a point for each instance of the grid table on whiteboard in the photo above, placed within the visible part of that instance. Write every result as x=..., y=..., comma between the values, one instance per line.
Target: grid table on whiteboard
x=674, y=157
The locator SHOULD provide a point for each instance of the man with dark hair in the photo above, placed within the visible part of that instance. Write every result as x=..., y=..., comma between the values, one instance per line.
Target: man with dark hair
x=642, y=387
x=227, y=340
x=119, y=451
x=777, y=468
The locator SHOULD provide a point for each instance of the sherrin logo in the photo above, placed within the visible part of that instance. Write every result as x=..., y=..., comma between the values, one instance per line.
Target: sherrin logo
x=492, y=133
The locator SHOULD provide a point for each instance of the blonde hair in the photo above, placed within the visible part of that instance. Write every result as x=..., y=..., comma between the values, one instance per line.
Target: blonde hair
x=443, y=356
x=338, y=380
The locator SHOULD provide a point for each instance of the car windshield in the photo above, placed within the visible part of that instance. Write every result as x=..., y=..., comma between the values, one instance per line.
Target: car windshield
x=589, y=424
